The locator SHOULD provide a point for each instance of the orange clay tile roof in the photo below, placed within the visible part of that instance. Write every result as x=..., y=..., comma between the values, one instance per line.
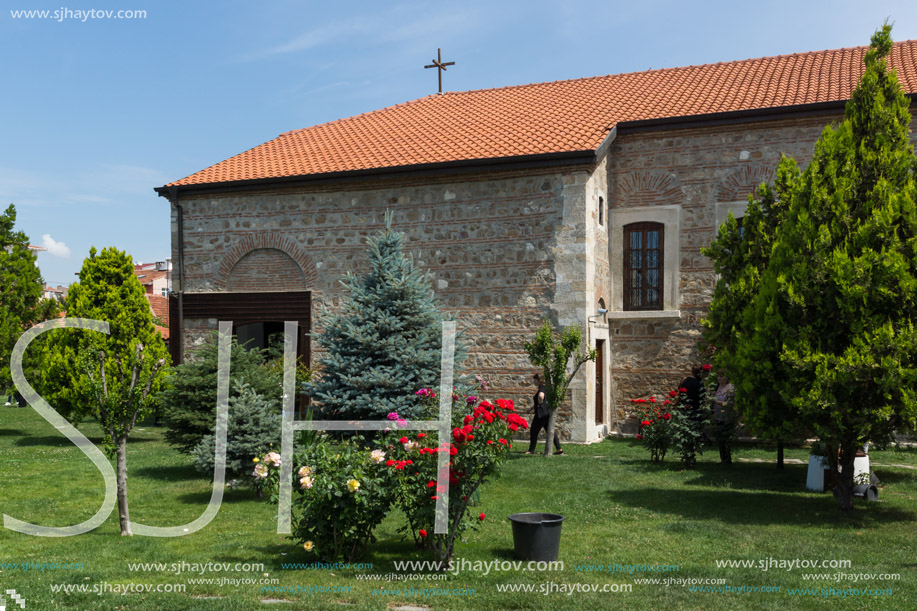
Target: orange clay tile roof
x=555, y=117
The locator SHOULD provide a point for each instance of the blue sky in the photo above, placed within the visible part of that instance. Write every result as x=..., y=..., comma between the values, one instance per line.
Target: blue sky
x=94, y=114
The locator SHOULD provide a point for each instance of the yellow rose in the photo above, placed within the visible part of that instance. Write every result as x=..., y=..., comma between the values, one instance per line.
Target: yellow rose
x=308, y=545
x=353, y=485
x=256, y=459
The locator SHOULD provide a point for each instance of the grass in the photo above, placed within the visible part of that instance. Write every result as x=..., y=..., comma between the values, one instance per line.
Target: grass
x=619, y=508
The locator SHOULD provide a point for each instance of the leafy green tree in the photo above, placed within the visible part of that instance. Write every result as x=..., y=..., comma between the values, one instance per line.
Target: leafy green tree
x=384, y=344
x=839, y=294
x=113, y=377
x=21, y=304
x=740, y=258
x=560, y=358
x=188, y=404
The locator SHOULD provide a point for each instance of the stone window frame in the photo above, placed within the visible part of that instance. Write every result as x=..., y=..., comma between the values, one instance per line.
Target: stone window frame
x=670, y=217
x=738, y=209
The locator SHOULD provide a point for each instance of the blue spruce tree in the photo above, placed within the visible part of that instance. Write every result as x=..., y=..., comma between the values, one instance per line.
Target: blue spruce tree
x=384, y=343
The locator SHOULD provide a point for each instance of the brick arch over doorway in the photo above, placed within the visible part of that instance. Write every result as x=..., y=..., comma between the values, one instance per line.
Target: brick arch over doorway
x=250, y=244
x=266, y=269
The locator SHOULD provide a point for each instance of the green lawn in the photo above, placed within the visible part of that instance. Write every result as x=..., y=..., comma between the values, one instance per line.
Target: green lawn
x=619, y=509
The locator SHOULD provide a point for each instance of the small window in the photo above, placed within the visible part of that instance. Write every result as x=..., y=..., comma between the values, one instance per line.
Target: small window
x=165, y=292
x=601, y=210
x=741, y=223
x=643, y=266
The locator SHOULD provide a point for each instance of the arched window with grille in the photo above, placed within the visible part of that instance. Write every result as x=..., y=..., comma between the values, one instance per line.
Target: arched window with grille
x=643, y=266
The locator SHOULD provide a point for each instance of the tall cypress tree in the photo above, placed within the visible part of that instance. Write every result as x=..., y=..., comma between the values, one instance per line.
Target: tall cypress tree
x=384, y=344
x=839, y=296
x=740, y=258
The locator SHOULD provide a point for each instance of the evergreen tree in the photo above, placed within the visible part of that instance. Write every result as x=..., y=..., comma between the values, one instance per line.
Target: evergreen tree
x=21, y=304
x=253, y=428
x=740, y=258
x=384, y=344
x=188, y=405
x=113, y=377
x=839, y=294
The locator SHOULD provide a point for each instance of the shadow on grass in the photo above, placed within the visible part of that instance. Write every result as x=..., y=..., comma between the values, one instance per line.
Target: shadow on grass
x=57, y=441
x=171, y=473
x=11, y=433
x=756, y=508
x=230, y=496
x=897, y=476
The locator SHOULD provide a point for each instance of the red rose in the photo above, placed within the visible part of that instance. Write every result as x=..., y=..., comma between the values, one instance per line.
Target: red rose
x=389, y=463
x=421, y=435
x=653, y=399
x=682, y=389
x=666, y=416
x=422, y=533
x=707, y=367
x=646, y=423
x=501, y=440
x=430, y=484
x=434, y=497
x=490, y=442
x=514, y=427
x=481, y=517
x=486, y=405
x=452, y=451
x=672, y=393
x=403, y=440
x=639, y=436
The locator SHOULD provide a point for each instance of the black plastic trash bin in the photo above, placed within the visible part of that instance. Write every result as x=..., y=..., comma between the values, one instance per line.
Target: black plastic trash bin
x=536, y=536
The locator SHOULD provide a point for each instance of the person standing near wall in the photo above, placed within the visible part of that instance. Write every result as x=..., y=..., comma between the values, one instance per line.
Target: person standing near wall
x=541, y=417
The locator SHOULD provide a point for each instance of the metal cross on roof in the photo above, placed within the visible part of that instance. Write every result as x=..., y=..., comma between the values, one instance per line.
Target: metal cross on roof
x=440, y=66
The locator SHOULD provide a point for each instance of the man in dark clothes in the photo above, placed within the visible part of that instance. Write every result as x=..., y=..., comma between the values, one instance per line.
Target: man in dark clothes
x=694, y=389
x=541, y=417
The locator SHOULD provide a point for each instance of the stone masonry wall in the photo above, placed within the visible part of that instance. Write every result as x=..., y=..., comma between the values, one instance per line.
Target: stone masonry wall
x=499, y=249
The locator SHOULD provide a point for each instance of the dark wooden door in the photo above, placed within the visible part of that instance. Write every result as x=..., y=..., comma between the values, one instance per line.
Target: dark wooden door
x=599, y=379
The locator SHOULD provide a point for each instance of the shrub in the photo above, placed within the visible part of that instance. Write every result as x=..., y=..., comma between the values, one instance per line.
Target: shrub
x=654, y=427
x=345, y=492
x=189, y=403
x=253, y=428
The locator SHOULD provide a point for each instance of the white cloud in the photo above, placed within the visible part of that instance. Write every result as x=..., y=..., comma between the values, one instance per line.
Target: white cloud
x=57, y=249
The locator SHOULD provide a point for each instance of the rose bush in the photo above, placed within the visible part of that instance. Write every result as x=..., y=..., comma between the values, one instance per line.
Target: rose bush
x=674, y=424
x=480, y=440
x=654, y=427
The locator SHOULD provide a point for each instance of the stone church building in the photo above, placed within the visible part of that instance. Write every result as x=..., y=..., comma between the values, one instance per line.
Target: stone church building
x=551, y=200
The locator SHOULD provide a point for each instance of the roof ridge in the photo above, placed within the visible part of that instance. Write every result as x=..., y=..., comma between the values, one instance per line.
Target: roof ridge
x=582, y=78
x=671, y=69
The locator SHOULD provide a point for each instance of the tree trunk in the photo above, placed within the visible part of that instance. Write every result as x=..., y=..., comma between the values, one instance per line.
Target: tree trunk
x=780, y=456
x=123, y=512
x=845, y=477
x=549, y=435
